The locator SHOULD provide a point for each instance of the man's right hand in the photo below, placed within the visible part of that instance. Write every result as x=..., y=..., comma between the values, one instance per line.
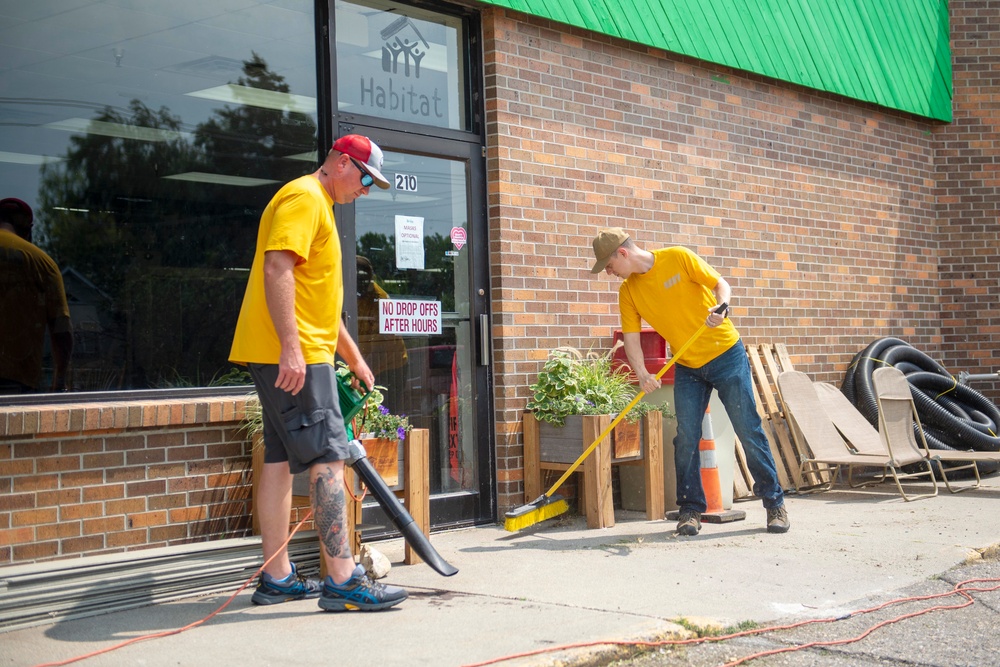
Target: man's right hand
x=648, y=381
x=291, y=369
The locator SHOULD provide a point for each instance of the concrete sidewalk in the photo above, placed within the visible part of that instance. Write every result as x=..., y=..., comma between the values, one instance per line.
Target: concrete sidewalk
x=558, y=584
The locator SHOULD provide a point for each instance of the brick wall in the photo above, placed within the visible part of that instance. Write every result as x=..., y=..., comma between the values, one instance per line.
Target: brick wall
x=968, y=172
x=97, y=478
x=821, y=212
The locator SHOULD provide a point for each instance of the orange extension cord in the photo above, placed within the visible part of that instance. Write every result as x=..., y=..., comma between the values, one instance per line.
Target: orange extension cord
x=177, y=631
x=960, y=589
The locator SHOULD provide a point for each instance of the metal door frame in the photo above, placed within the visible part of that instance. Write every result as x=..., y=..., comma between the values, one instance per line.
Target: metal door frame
x=447, y=510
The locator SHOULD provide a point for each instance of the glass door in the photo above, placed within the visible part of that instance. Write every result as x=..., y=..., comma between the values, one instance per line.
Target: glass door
x=421, y=313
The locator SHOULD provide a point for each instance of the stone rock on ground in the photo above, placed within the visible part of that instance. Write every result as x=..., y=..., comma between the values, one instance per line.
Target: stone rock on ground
x=376, y=563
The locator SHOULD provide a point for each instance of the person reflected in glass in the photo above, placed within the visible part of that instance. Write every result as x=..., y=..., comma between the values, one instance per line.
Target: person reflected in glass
x=385, y=353
x=32, y=300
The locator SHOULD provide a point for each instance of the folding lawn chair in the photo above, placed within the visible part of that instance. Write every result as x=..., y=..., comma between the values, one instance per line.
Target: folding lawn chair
x=829, y=450
x=857, y=431
x=899, y=425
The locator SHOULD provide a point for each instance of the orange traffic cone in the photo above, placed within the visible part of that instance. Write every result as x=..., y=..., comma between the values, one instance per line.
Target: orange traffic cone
x=714, y=513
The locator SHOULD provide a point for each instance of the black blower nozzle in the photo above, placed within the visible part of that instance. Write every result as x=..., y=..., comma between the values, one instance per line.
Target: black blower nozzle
x=397, y=513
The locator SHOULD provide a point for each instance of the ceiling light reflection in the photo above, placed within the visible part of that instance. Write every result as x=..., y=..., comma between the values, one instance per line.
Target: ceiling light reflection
x=220, y=179
x=27, y=158
x=256, y=97
x=117, y=130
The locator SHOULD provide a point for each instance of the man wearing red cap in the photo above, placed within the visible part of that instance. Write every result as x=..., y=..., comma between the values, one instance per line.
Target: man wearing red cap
x=32, y=299
x=287, y=334
x=675, y=291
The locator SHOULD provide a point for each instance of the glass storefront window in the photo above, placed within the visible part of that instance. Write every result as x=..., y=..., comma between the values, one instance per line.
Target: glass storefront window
x=147, y=137
x=428, y=376
x=402, y=63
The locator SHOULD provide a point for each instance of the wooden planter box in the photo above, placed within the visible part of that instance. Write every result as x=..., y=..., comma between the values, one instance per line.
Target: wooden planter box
x=564, y=444
x=385, y=455
x=557, y=449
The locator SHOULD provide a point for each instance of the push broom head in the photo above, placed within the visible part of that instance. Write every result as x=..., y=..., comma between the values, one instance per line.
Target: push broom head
x=544, y=507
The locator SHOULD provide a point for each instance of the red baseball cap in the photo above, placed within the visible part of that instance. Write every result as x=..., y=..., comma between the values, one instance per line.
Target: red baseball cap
x=366, y=152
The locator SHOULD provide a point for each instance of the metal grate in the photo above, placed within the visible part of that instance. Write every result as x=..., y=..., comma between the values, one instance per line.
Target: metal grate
x=44, y=593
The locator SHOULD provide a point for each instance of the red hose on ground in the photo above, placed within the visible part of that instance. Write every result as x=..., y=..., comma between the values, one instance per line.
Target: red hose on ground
x=177, y=631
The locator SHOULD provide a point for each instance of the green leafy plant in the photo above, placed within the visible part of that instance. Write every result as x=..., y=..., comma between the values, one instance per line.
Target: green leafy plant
x=253, y=417
x=376, y=420
x=234, y=376
x=574, y=383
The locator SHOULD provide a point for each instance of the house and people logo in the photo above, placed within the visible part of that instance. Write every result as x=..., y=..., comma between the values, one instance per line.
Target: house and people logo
x=402, y=47
x=398, y=89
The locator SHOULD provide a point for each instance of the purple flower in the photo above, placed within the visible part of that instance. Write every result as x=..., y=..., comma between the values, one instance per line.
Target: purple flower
x=401, y=432
x=384, y=410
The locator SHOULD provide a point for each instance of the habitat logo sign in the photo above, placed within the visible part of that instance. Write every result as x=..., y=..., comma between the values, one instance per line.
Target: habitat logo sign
x=400, y=91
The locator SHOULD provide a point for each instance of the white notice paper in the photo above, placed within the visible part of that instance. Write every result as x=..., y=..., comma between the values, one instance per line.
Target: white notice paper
x=409, y=242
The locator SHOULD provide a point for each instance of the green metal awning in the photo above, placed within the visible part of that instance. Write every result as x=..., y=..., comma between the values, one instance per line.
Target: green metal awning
x=893, y=53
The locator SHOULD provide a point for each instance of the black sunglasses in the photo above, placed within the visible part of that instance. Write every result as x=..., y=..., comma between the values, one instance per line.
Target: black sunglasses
x=366, y=179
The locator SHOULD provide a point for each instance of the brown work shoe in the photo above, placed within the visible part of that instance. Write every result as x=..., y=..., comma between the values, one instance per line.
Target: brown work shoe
x=688, y=523
x=777, y=519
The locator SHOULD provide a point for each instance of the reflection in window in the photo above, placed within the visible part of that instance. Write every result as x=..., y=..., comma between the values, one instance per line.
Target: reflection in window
x=428, y=377
x=147, y=144
x=441, y=202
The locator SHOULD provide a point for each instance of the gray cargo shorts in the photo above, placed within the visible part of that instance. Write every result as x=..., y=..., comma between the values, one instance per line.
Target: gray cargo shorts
x=304, y=429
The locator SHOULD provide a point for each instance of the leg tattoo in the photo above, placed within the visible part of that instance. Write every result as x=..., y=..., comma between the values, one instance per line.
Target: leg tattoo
x=330, y=502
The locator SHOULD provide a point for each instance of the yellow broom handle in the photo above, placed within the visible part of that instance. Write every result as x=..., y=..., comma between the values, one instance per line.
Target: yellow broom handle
x=621, y=415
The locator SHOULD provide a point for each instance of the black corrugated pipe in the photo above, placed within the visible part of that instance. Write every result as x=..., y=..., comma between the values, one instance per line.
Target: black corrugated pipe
x=865, y=363
x=954, y=416
x=969, y=433
x=848, y=387
x=860, y=391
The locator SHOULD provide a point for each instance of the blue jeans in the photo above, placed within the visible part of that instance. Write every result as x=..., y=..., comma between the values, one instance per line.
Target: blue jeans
x=729, y=374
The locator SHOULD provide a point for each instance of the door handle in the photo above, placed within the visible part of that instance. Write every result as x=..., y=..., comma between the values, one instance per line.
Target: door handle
x=484, y=340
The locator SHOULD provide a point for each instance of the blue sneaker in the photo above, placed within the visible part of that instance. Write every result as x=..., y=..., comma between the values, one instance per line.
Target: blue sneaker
x=359, y=592
x=292, y=587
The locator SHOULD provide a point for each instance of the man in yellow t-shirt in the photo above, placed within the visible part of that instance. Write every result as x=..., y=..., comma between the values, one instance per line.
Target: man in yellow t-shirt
x=675, y=291
x=287, y=334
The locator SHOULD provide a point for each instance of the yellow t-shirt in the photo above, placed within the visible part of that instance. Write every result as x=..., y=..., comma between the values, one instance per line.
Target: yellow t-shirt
x=674, y=297
x=299, y=218
x=32, y=297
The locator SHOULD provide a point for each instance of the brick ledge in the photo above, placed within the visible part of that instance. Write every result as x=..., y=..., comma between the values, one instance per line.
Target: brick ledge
x=81, y=418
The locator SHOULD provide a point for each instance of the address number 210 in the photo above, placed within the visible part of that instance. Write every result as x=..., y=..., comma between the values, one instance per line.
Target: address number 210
x=406, y=182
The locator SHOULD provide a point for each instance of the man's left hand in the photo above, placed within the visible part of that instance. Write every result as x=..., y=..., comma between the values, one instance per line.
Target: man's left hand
x=363, y=373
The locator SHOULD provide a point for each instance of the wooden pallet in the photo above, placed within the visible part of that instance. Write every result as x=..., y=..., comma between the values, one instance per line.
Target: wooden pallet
x=767, y=361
